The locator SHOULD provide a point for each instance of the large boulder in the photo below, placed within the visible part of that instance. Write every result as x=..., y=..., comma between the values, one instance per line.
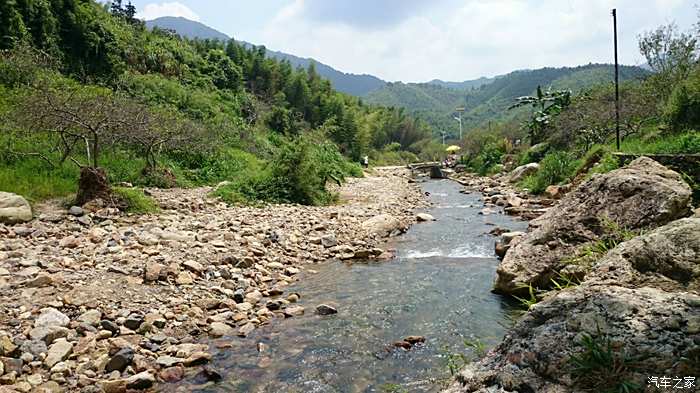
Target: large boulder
x=643, y=195
x=536, y=355
x=667, y=258
x=14, y=209
x=382, y=225
x=522, y=172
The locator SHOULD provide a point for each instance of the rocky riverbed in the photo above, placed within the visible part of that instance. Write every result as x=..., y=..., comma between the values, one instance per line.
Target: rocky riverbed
x=95, y=300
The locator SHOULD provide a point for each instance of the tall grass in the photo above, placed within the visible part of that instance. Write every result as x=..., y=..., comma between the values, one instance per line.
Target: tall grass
x=554, y=168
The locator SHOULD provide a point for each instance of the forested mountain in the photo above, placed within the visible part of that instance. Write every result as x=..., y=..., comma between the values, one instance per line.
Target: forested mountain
x=435, y=101
x=357, y=85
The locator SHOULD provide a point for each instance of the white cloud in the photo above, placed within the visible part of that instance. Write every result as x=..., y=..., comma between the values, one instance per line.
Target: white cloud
x=474, y=38
x=155, y=10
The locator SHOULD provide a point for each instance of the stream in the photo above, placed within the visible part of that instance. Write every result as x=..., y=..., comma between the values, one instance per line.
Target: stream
x=437, y=287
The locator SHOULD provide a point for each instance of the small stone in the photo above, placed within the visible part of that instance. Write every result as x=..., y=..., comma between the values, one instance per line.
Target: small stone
x=424, y=217
x=76, y=211
x=294, y=311
x=48, y=334
x=169, y=361
x=91, y=317
x=40, y=281
x=246, y=329
x=184, y=278
x=59, y=351
x=110, y=326
x=116, y=386
x=197, y=359
x=208, y=375
x=413, y=340
x=324, y=309
x=220, y=329
x=35, y=379
x=141, y=381
x=329, y=241
x=172, y=374
x=153, y=271
x=51, y=317
x=134, y=321
x=120, y=361
x=193, y=266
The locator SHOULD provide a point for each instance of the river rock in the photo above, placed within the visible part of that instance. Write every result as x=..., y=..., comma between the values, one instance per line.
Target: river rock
x=382, y=225
x=14, y=209
x=59, y=351
x=523, y=171
x=325, y=309
x=141, y=381
x=120, y=361
x=644, y=194
x=423, y=217
x=220, y=329
x=50, y=317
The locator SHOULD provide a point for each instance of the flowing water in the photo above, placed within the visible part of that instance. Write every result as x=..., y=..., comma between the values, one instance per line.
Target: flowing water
x=438, y=287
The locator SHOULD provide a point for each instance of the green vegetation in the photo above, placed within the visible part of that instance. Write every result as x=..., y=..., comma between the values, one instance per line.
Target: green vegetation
x=555, y=168
x=86, y=85
x=612, y=234
x=486, y=101
x=573, y=137
x=602, y=368
x=135, y=200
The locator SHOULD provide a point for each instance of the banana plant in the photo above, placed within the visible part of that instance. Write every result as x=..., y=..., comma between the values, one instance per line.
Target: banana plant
x=546, y=105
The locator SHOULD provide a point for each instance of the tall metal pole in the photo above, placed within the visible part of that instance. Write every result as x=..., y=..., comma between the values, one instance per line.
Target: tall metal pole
x=617, y=84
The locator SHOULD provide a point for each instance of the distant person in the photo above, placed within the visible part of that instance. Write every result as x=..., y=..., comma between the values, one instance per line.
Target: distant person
x=365, y=162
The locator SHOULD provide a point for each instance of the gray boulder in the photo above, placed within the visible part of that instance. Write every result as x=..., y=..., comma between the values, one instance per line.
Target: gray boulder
x=667, y=258
x=536, y=355
x=522, y=172
x=382, y=225
x=14, y=209
x=643, y=195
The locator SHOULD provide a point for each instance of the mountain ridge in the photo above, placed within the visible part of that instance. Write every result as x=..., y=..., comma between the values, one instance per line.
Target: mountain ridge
x=349, y=83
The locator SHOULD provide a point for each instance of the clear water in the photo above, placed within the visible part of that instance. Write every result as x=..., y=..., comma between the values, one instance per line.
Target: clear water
x=438, y=287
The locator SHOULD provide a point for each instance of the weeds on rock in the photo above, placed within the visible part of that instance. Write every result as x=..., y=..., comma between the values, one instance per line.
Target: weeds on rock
x=613, y=235
x=601, y=368
x=528, y=303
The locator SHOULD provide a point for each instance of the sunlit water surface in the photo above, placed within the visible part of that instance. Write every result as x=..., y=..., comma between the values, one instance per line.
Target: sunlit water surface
x=438, y=287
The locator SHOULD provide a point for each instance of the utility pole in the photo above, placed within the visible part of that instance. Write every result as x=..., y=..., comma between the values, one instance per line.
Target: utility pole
x=459, y=119
x=617, y=83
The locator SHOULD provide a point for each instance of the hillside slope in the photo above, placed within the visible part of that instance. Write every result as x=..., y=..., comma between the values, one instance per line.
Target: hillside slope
x=436, y=101
x=357, y=85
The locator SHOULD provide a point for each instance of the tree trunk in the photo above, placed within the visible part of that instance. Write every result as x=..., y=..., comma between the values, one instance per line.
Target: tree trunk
x=93, y=184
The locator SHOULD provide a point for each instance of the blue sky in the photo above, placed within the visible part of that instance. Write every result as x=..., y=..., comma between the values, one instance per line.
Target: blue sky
x=420, y=40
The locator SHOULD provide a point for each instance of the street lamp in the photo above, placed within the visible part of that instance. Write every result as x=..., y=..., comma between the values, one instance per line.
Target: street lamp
x=459, y=119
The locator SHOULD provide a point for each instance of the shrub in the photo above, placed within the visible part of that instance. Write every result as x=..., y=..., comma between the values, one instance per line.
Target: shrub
x=554, y=168
x=297, y=173
x=683, y=108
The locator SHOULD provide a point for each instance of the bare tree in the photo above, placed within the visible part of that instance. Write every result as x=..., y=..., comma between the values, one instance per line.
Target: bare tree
x=97, y=118
x=670, y=53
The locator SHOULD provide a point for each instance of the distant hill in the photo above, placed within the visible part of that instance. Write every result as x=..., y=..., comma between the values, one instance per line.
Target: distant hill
x=357, y=85
x=471, y=84
x=488, y=98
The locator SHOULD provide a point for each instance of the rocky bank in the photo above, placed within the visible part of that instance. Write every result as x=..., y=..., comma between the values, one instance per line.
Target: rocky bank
x=632, y=320
x=95, y=300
